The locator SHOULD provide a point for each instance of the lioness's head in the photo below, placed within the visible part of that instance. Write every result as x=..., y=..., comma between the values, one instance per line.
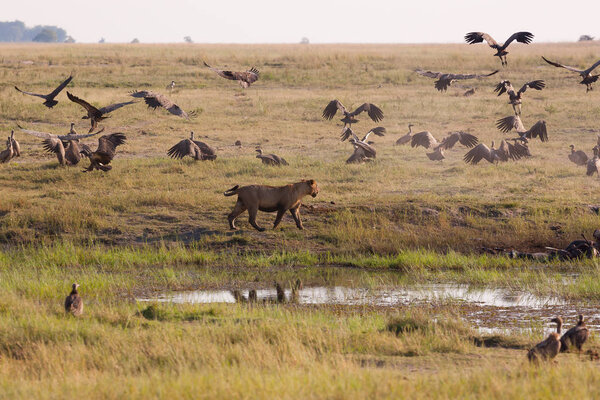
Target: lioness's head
x=314, y=189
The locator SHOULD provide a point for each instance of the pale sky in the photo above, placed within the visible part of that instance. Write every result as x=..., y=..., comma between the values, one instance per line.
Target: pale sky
x=322, y=21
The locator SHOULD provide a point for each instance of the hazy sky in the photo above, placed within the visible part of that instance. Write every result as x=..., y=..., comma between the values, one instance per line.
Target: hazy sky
x=322, y=21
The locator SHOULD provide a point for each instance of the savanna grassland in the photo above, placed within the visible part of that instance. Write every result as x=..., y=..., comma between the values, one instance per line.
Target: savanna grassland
x=154, y=224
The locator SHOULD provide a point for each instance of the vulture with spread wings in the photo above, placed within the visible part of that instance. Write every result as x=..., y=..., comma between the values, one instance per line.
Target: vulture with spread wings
x=515, y=97
x=507, y=124
x=66, y=147
x=505, y=152
x=363, y=149
x=194, y=148
x=478, y=37
x=104, y=154
x=96, y=114
x=245, y=78
x=427, y=140
x=586, y=74
x=155, y=100
x=50, y=102
x=372, y=111
x=445, y=80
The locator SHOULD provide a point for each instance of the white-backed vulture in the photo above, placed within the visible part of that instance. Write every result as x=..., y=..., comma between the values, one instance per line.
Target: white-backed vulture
x=194, y=148
x=578, y=157
x=515, y=97
x=539, y=129
x=478, y=37
x=333, y=106
x=505, y=152
x=104, y=154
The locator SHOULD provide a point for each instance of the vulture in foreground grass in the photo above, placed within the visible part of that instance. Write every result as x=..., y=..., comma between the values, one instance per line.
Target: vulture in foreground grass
x=547, y=349
x=505, y=152
x=96, y=114
x=50, y=102
x=479, y=37
x=66, y=147
x=586, y=74
x=445, y=80
x=427, y=140
x=12, y=150
x=270, y=159
x=575, y=336
x=516, y=96
x=372, y=111
x=194, y=148
x=539, y=129
x=73, y=302
x=104, y=154
x=155, y=100
x=578, y=157
x=245, y=79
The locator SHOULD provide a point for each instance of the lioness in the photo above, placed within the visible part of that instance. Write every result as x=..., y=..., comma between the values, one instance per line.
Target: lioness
x=269, y=199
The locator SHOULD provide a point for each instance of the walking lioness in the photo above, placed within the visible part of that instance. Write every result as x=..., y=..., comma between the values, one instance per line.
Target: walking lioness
x=270, y=199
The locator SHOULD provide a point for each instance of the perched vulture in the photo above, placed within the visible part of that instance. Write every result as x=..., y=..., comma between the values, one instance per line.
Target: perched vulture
x=578, y=157
x=13, y=149
x=73, y=302
x=50, y=102
x=406, y=138
x=270, y=159
x=575, y=336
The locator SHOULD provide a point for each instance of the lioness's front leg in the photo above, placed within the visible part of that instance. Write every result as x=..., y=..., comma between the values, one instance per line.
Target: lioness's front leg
x=252, y=211
x=296, y=215
x=280, y=213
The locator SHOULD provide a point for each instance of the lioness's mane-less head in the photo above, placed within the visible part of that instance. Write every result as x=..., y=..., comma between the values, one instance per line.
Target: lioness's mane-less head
x=314, y=189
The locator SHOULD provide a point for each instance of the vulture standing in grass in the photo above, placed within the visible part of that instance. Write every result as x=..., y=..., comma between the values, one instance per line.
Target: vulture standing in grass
x=547, y=349
x=73, y=302
x=586, y=74
x=171, y=86
x=406, y=138
x=50, y=102
x=270, y=159
x=66, y=147
x=479, y=37
x=96, y=114
x=514, y=122
x=445, y=80
x=372, y=111
x=427, y=140
x=593, y=164
x=194, y=148
x=505, y=152
x=104, y=154
x=575, y=336
x=578, y=157
x=245, y=79
x=13, y=149
x=155, y=100
x=516, y=97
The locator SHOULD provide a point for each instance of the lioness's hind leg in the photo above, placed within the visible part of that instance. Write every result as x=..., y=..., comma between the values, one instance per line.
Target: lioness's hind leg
x=280, y=213
x=296, y=215
x=252, y=211
x=237, y=210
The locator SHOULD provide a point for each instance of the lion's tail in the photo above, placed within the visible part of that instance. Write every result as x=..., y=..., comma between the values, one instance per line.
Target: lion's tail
x=232, y=191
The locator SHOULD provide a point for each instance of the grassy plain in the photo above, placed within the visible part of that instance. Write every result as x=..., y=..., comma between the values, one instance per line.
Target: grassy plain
x=153, y=223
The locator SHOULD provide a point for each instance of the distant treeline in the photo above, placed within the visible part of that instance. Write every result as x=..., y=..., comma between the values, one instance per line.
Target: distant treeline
x=16, y=31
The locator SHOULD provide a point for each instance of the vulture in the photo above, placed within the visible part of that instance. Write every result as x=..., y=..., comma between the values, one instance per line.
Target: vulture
x=469, y=92
x=194, y=148
x=372, y=111
x=515, y=97
x=107, y=146
x=505, y=152
x=427, y=140
x=171, y=86
x=245, y=78
x=363, y=150
x=94, y=114
x=586, y=74
x=73, y=302
x=478, y=37
x=50, y=102
x=270, y=159
x=575, y=336
x=406, y=138
x=578, y=157
x=154, y=100
x=445, y=80
x=593, y=164
x=507, y=124
x=66, y=147
x=347, y=133
x=547, y=349
x=13, y=149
